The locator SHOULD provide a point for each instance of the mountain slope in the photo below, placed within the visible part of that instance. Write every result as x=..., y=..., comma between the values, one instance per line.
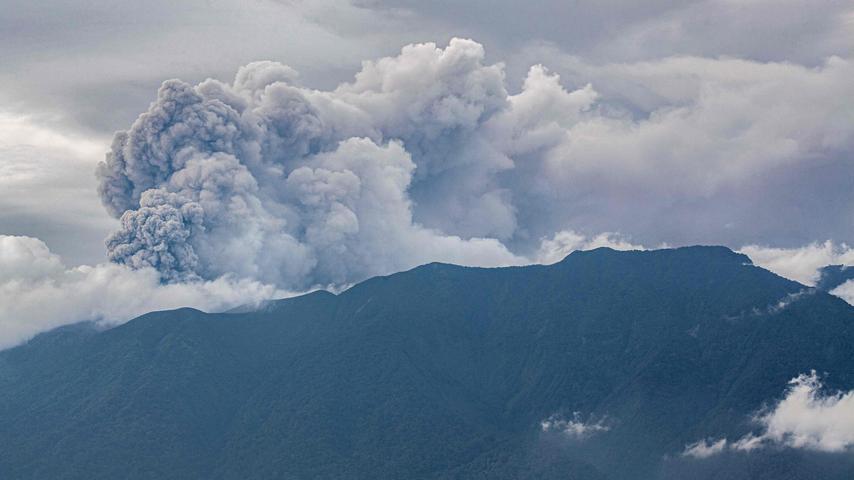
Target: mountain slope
x=438, y=372
x=832, y=276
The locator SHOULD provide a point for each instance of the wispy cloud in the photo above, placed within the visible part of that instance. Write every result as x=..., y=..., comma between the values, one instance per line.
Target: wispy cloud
x=575, y=427
x=705, y=448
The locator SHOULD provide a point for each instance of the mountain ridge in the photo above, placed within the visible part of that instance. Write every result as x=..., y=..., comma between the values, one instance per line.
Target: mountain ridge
x=441, y=371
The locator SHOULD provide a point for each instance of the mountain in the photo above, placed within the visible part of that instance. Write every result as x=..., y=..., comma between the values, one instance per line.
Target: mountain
x=440, y=372
x=833, y=276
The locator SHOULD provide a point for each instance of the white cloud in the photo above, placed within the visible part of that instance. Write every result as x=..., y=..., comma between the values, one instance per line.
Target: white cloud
x=845, y=291
x=38, y=292
x=563, y=243
x=689, y=150
x=711, y=121
x=575, y=427
x=800, y=264
x=806, y=418
x=705, y=448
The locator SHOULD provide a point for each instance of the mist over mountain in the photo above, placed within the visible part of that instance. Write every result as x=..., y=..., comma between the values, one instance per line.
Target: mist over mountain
x=665, y=364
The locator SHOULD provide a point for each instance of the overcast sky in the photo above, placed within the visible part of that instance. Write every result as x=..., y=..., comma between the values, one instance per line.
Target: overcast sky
x=74, y=72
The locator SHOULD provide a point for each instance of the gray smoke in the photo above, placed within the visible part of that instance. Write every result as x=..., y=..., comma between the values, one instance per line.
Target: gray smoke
x=269, y=180
x=426, y=156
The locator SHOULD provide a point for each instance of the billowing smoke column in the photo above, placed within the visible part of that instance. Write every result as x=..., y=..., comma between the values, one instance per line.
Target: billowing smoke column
x=269, y=180
x=426, y=157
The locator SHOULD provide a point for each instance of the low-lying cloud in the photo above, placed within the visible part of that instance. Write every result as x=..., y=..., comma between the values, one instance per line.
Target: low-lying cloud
x=575, y=427
x=800, y=264
x=845, y=291
x=805, y=264
x=38, y=292
x=805, y=418
x=563, y=243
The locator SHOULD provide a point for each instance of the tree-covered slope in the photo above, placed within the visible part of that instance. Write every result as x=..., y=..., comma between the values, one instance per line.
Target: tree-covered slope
x=439, y=372
x=832, y=276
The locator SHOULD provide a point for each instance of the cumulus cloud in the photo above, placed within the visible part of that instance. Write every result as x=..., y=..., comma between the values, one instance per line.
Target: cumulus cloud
x=575, y=427
x=806, y=418
x=38, y=292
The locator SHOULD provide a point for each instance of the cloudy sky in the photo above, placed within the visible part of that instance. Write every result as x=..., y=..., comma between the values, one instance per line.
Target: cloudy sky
x=318, y=143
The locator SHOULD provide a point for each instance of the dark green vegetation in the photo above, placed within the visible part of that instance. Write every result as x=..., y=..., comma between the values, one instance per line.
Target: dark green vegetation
x=438, y=372
x=833, y=276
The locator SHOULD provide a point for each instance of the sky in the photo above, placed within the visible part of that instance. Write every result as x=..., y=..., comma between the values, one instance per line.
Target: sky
x=297, y=145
